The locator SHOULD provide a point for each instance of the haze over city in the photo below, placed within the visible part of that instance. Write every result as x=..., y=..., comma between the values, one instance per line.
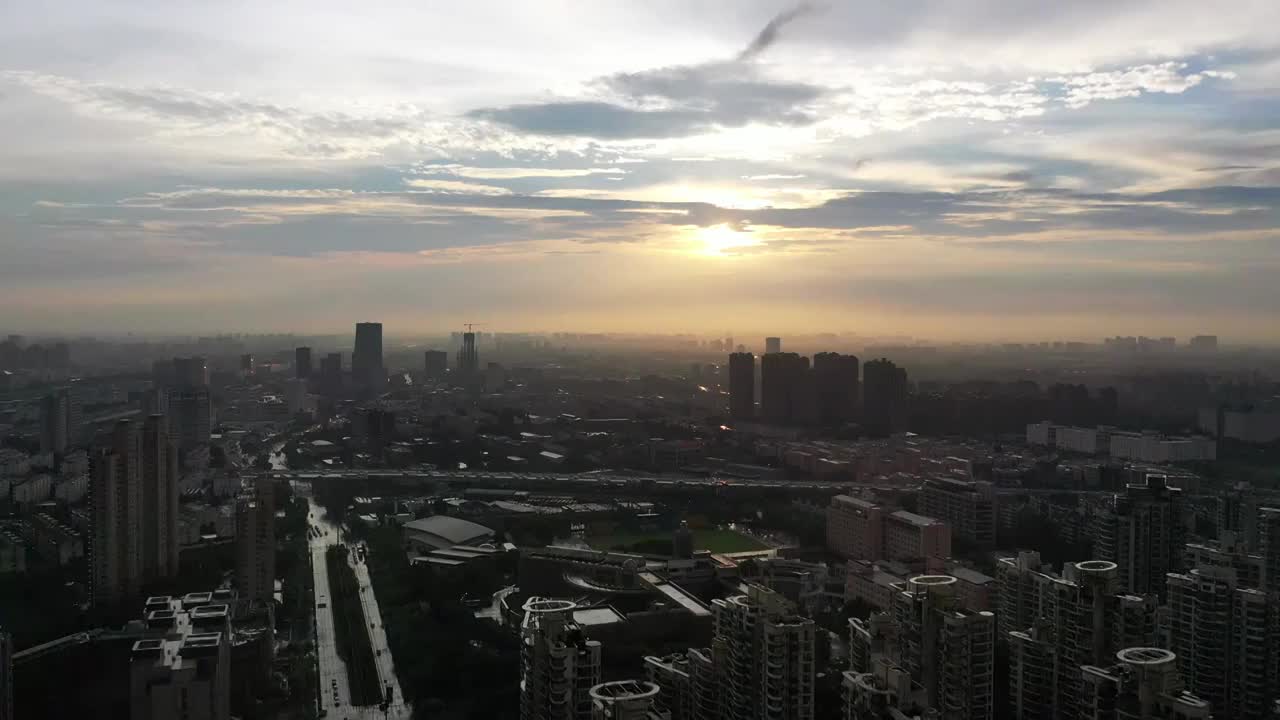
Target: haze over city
x=980, y=170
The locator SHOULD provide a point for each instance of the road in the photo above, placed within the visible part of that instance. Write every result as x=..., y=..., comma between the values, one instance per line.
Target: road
x=333, y=671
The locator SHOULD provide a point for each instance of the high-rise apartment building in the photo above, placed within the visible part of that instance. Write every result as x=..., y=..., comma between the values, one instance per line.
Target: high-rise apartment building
x=134, y=498
x=1144, y=535
x=256, y=542
x=190, y=416
x=1238, y=514
x=59, y=422
x=1143, y=685
x=1269, y=548
x=158, y=492
x=1226, y=639
x=742, y=386
x=787, y=392
x=968, y=506
x=558, y=665
x=189, y=372
x=947, y=652
x=885, y=692
x=116, y=495
x=836, y=379
x=771, y=345
x=6, y=676
x=247, y=365
x=436, y=363
x=367, y=369
x=687, y=684
x=626, y=700
x=764, y=657
x=884, y=398
x=1057, y=625
x=302, y=362
x=1228, y=552
x=186, y=672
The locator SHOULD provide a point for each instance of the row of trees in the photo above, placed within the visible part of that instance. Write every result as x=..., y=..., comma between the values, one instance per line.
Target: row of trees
x=352, y=637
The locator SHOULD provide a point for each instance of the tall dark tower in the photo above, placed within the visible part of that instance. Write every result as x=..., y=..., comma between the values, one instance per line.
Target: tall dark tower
x=742, y=386
x=436, y=363
x=836, y=378
x=302, y=362
x=468, y=357
x=884, y=398
x=367, y=370
x=786, y=389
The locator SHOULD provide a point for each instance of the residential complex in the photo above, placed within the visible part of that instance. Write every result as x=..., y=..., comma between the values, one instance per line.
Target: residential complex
x=558, y=665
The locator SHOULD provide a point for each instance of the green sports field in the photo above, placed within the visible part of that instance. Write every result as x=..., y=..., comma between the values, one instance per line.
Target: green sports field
x=717, y=541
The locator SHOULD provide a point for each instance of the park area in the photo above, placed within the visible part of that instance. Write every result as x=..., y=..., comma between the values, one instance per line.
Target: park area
x=717, y=540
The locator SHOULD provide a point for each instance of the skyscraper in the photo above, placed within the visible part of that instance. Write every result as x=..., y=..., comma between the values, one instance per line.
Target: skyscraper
x=246, y=364
x=772, y=345
x=836, y=379
x=1226, y=640
x=6, y=676
x=884, y=398
x=558, y=665
x=190, y=372
x=331, y=374
x=742, y=386
x=786, y=389
x=1061, y=624
x=116, y=495
x=948, y=651
x=1143, y=685
x=436, y=363
x=626, y=700
x=59, y=421
x=302, y=362
x=468, y=356
x=1269, y=548
x=1143, y=535
x=190, y=417
x=367, y=369
x=764, y=657
x=158, y=469
x=256, y=542
x=134, y=497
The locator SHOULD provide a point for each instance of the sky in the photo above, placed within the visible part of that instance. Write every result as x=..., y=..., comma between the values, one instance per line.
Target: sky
x=949, y=169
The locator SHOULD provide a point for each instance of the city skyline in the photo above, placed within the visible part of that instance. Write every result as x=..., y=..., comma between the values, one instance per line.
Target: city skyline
x=976, y=173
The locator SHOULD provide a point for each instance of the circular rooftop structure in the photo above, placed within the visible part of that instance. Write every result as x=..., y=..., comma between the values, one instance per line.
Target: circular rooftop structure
x=549, y=605
x=932, y=581
x=1096, y=566
x=620, y=691
x=1146, y=656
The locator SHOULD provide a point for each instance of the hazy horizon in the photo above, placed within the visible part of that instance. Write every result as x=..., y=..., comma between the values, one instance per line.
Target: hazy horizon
x=981, y=171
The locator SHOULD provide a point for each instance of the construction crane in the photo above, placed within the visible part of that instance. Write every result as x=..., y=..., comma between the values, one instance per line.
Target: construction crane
x=469, y=326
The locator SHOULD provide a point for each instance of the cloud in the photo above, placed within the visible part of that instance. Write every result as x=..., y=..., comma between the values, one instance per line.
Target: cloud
x=768, y=35
x=455, y=187
x=1168, y=78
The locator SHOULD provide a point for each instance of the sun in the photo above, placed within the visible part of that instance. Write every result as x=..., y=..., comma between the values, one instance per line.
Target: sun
x=717, y=239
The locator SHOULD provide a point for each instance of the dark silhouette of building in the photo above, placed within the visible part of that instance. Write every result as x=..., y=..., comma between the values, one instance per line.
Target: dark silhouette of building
x=468, y=357
x=159, y=494
x=190, y=372
x=884, y=398
x=437, y=363
x=836, y=379
x=772, y=345
x=682, y=542
x=742, y=386
x=367, y=369
x=786, y=389
x=1144, y=534
x=331, y=374
x=302, y=362
x=59, y=421
x=246, y=364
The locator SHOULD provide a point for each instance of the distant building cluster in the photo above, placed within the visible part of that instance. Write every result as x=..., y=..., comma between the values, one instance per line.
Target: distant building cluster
x=1148, y=446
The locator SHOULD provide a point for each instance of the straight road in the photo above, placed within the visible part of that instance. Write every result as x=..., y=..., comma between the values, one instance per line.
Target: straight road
x=333, y=671
x=335, y=695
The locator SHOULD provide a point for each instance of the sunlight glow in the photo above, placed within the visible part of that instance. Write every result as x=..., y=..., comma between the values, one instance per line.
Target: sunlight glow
x=718, y=239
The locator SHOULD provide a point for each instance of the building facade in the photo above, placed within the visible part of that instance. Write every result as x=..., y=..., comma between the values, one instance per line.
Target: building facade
x=558, y=665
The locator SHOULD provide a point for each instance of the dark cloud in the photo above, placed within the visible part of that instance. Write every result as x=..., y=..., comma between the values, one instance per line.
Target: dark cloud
x=769, y=34
x=675, y=101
